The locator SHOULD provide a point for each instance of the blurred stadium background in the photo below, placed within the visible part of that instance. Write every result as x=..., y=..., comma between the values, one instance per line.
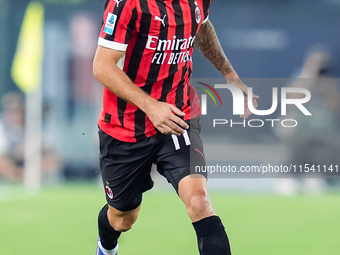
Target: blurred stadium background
x=263, y=39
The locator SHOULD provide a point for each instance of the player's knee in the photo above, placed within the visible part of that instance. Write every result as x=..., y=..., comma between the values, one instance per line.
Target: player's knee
x=122, y=226
x=124, y=222
x=199, y=205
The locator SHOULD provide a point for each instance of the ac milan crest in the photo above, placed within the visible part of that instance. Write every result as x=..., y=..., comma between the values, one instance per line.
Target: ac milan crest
x=198, y=14
x=109, y=192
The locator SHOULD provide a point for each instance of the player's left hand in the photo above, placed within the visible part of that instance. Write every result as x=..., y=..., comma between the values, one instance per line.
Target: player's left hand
x=247, y=112
x=238, y=83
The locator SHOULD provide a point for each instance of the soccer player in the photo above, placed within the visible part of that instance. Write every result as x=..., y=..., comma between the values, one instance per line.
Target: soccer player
x=144, y=61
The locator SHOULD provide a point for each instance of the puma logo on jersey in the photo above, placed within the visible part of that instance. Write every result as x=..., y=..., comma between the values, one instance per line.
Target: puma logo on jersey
x=118, y=2
x=161, y=20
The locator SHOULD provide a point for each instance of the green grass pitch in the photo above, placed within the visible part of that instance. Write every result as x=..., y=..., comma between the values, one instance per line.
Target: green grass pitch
x=62, y=220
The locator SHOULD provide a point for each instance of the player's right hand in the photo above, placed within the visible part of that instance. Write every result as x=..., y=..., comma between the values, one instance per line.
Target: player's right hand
x=165, y=118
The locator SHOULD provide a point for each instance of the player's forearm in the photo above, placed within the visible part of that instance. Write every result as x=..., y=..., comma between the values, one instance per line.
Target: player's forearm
x=115, y=80
x=208, y=44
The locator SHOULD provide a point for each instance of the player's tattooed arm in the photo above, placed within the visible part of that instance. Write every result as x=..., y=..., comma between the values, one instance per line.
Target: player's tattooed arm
x=208, y=44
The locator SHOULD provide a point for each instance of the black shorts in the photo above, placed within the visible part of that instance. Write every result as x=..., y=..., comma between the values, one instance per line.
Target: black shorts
x=125, y=167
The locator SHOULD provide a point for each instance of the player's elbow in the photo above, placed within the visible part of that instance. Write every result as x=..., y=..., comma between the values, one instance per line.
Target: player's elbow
x=105, y=63
x=97, y=69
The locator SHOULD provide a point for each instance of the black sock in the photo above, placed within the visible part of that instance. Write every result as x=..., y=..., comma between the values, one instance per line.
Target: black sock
x=108, y=236
x=211, y=236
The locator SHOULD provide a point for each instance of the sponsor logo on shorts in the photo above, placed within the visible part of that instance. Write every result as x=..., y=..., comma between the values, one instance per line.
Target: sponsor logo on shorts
x=202, y=154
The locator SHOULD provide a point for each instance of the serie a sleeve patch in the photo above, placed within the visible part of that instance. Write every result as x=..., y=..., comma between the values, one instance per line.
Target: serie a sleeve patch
x=110, y=23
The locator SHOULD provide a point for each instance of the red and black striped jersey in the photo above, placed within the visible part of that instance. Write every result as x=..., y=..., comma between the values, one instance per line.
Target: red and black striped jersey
x=157, y=37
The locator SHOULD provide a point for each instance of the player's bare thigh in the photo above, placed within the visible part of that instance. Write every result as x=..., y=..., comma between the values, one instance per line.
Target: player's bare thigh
x=122, y=221
x=193, y=192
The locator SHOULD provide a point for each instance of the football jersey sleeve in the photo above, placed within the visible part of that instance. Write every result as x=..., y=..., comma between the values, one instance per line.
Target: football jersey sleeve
x=118, y=24
x=206, y=5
